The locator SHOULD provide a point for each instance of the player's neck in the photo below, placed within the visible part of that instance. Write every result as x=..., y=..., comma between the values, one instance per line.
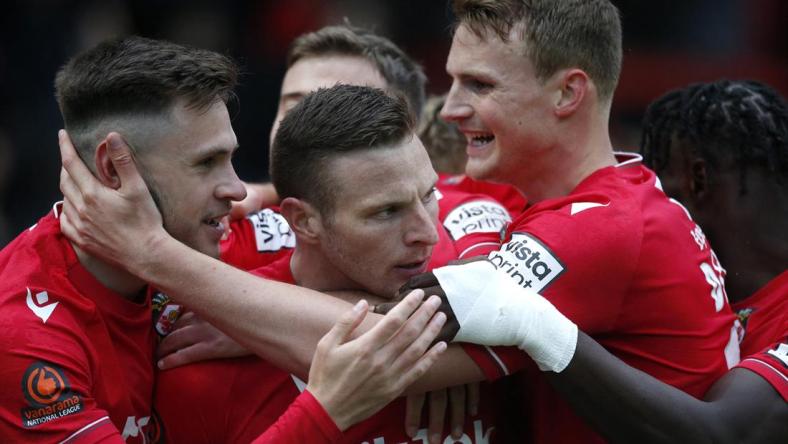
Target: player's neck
x=115, y=278
x=570, y=163
x=312, y=270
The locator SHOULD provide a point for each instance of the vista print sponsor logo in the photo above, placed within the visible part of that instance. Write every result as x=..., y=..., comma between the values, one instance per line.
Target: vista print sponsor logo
x=476, y=217
x=271, y=231
x=527, y=261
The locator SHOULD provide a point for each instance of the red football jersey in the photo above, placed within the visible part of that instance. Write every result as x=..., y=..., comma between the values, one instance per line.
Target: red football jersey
x=764, y=315
x=257, y=240
x=764, y=318
x=304, y=421
x=632, y=269
x=256, y=393
x=223, y=400
x=508, y=195
x=77, y=358
x=473, y=221
x=772, y=365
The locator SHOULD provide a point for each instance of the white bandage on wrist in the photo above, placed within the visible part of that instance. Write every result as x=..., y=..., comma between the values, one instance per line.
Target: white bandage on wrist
x=493, y=310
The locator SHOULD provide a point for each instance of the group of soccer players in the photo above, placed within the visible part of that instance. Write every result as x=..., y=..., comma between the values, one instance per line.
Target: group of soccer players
x=597, y=311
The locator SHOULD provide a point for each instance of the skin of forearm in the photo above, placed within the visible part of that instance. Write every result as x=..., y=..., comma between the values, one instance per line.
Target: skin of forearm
x=626, y=405
x=282, y=323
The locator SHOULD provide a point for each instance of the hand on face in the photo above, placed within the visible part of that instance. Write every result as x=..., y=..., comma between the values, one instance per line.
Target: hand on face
x=118, y=225
x=353, y=379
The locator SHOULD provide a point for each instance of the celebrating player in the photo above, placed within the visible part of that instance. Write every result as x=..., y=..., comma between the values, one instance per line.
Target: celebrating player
x=363, y=208
x=532, y=89
x=720, y=148
x=78, y=344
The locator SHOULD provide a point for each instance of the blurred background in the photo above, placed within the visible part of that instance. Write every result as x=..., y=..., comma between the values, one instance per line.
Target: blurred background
x=667, y=44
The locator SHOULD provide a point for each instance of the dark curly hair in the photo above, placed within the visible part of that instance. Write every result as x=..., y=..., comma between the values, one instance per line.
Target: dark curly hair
x=744, y=121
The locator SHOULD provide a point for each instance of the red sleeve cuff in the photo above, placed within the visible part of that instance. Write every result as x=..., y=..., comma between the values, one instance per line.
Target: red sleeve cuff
x=319, y=415
x=497, y=362
x=768, y=371
x=304, y=421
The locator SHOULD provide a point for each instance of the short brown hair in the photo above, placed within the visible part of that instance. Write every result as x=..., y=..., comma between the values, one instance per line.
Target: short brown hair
x=558, y=34
x=326, y=124
x=125, y=80
x=403, y=75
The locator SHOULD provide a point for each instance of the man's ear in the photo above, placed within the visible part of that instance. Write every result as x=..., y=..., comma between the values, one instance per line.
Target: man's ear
x=303, y=218
x=699, y=179
x=573, y=86
x=105, y=171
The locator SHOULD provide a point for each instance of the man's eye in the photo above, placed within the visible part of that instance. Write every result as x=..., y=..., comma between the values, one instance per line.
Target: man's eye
x=430, y=196
x=479, y=85
x=207, y=162
x=385, y=213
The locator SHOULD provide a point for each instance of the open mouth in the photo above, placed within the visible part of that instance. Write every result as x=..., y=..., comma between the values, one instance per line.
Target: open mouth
x=215, y=223
x=480, y=139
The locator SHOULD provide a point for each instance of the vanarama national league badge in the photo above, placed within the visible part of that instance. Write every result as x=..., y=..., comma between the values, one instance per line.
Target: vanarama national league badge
x=48, y=394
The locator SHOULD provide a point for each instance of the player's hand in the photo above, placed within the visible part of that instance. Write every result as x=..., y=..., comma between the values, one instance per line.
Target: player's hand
x=192, y=340
x=353, y=379
x=458, y=399
x=119, y=225
x=258, y=196
x=429, y=283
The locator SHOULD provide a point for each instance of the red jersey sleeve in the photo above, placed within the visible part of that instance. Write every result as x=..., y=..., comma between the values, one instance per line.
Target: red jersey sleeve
x=257, y=240
x=772, y=365
x=47, y=377
x=497, y=362
x=304, y=421
x=473, y=221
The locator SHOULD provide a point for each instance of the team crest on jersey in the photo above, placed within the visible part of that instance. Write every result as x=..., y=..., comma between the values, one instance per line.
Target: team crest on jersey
x=528, y=262
x=271, y=231
x=476, y=217
x=165, y=313
x=48, y=394
x=744, y=316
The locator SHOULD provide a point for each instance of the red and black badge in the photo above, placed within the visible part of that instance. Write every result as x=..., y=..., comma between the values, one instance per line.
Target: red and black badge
x=48, y=393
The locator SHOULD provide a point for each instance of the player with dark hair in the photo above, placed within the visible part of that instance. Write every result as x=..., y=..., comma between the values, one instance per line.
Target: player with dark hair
x=77, y=331
x=351, y=55
x=358, y=192
x=718, y=147
x=78, y=344
x=532, y=89
x=339, y=54
x=400, y=73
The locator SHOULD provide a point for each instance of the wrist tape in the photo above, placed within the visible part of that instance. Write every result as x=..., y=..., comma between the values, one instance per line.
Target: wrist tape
x=493, y=310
